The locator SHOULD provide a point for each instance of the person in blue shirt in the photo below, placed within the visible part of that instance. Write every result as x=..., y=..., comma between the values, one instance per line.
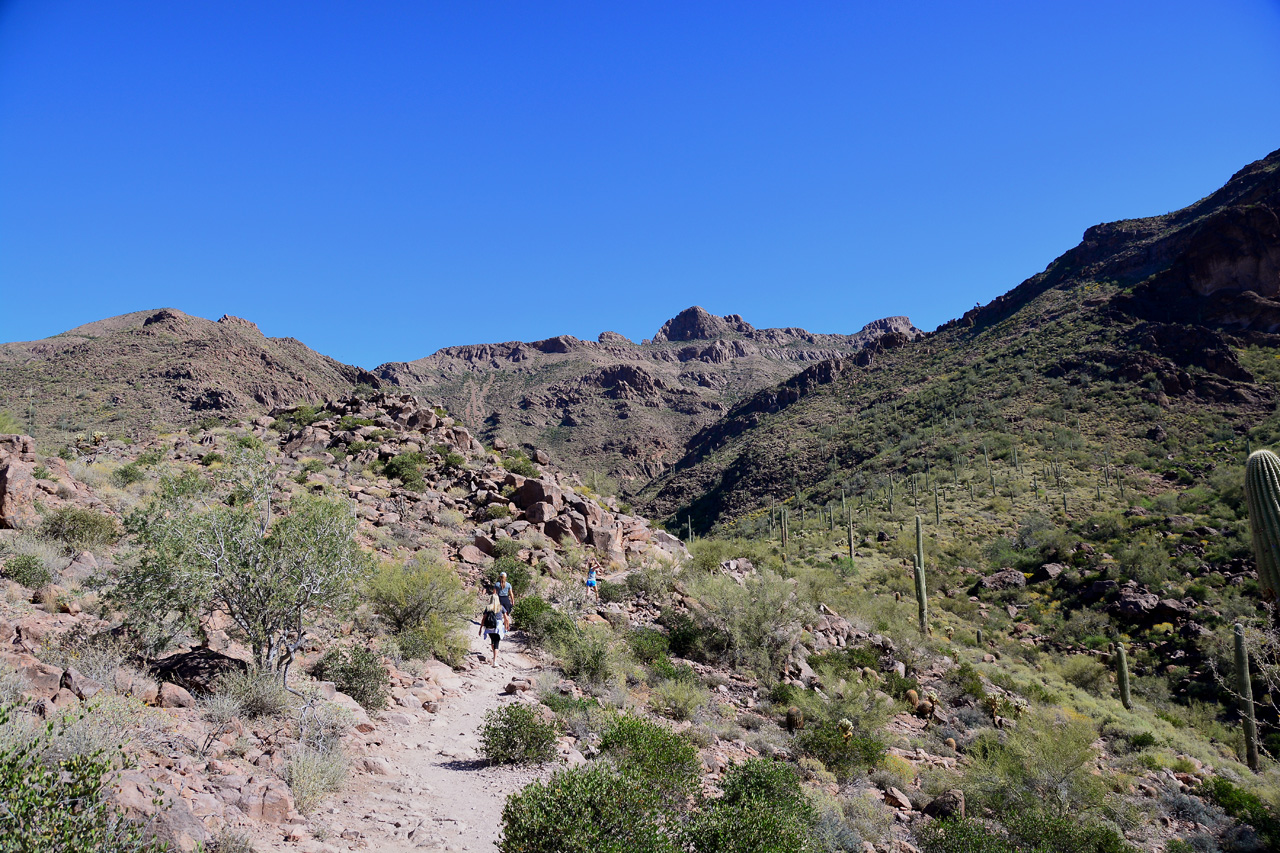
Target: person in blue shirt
x=505, y=594
x=592, y=568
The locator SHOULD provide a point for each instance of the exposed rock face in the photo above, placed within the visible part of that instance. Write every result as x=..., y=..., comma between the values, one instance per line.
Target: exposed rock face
x=696, y=324
x=614, y=407
x=21, y=490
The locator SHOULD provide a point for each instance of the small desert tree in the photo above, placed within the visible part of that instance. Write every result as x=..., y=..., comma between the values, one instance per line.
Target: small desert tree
x=222, y=545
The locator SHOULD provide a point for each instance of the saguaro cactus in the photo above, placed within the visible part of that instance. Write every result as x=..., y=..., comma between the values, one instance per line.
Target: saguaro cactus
x=1122, y=675
x=1245, y=686
x=1262, y=495
x=922, y=598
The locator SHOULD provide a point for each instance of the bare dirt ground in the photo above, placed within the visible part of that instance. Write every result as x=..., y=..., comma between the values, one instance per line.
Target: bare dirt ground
x=421, y=786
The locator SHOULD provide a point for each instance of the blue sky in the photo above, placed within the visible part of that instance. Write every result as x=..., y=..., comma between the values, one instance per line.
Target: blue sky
x=383, y=179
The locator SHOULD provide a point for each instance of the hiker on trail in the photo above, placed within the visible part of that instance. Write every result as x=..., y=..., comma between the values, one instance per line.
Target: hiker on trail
x=504, y=593
x=493, y=621
x=592, y=567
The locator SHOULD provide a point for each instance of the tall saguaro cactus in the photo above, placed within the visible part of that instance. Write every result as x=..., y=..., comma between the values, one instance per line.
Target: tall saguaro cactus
x=1262, y=495
x=1245, y=686
x=1122, y=675
x=922, y=598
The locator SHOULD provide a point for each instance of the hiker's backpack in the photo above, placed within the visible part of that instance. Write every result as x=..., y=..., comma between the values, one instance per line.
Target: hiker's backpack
x=490, y=620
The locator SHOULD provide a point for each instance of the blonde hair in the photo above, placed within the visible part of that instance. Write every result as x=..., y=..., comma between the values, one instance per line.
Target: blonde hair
x=495, y=603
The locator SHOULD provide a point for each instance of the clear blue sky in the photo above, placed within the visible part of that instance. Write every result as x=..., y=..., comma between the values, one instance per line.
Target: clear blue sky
x=383, y=179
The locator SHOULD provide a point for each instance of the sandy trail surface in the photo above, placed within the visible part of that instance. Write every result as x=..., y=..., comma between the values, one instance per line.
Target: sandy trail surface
x=421, y=784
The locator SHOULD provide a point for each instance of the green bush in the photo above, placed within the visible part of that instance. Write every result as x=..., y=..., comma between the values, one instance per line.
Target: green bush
x=256, y=693
x=1030, y=830
x=127, y=475
x=434, y=638
x=407, y=468
x=60, y=806
x=27, y=570
x=213, y=457
x=518, y=463
x=358, y=673
x=517, y=734
x=147, y=458
x=541, y=622
x=1243, y=806
x=665, y=761
x=312, y=773
x=679, y=700
x=584, y=810
x=42, y=472
x=407, y=596
x=611, y=592
x=79, y=529
x=518, y=574
x=585, y=655
x=493, y=511
x=844, y=753
x=647, y=644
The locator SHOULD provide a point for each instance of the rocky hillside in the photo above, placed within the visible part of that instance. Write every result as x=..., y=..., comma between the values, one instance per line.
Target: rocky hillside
x=1153, y=336
x=616, y=407
x=140, y=372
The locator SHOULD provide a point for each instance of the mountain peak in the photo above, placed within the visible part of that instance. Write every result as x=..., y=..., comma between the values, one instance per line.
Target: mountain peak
x=698, y=324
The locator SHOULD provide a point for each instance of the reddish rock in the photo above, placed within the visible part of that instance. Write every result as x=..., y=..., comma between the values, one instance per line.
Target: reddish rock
x=173, y=696
x=540, y=512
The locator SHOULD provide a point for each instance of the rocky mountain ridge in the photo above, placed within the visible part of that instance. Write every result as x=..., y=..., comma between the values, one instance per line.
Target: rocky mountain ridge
x=616, y=407
x=150, y=370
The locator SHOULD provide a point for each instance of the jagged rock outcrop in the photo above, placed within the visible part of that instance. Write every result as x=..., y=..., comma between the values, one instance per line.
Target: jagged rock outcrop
x=618, y=408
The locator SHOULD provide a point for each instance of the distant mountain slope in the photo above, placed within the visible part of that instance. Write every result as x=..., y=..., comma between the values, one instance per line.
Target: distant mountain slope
x=1154, y=338
x=614, y=406
x=142, y=371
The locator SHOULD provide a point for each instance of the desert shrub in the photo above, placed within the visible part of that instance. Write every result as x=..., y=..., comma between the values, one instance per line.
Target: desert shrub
x=406, y=596
x=585, y=655
x=27, y=570
x=764, y=810
x=518, y=573
x=60, y=805
x=542, y=622
x=1243, y=806
x=1044, y=764
x=665, y=761
x=98, y=655
x=228, y=840
x=758, y=622
x=665, y=670
x=42, y=472
x=584, y=810
x=126, y=475
x=256, y=693
x=1087, y=673
x=843, y=751
x=962, y=835
x=518, y=463
x=434, y=638
x=79, y=529
x=407, y=468
x=103, y=725
x=611, y=592
x=647, y=644
x=494, y=511
x=147, y=458
x=357, y=672
x=212, y=458
x=517, y=734
x=678, y=700
x=689, y=639
x=312, y=773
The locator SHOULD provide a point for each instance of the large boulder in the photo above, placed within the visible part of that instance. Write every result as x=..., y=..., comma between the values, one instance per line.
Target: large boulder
x=1003, y=579
x=18, y=487
x=167, y=817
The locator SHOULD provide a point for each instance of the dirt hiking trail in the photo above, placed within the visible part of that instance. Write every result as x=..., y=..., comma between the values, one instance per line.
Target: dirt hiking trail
x=420, y=785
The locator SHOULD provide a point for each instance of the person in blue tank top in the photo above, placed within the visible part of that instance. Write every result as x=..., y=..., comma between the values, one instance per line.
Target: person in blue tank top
x=592, y=568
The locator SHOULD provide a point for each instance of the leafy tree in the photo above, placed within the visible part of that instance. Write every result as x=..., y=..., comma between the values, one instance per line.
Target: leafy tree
x=229, y=548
